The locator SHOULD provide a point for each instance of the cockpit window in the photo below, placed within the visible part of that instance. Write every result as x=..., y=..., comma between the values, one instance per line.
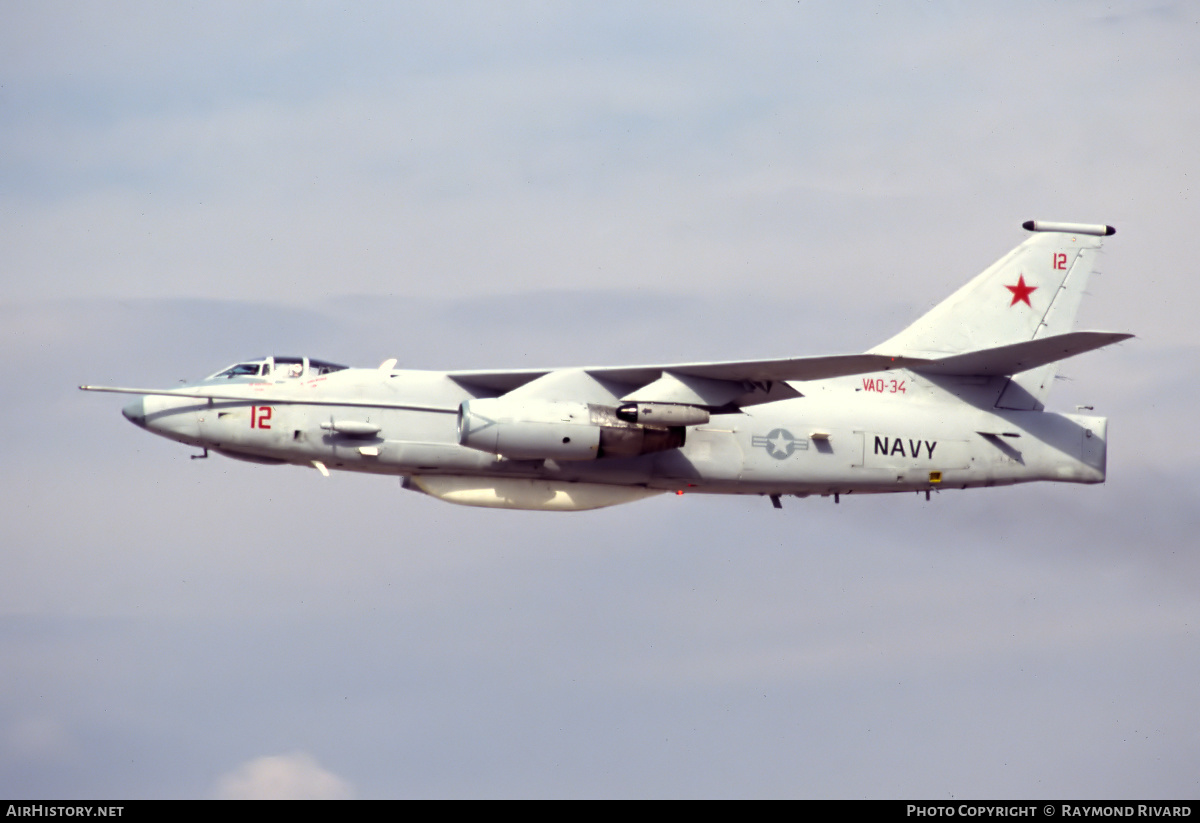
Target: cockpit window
x=241, y=370
x=323, y=367
x=284, y=367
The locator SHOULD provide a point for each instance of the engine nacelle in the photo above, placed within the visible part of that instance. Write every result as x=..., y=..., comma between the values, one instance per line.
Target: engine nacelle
x=530, y=429
x=557, y=430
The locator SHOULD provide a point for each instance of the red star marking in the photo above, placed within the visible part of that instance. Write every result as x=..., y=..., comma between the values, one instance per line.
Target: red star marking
x=1021, y=292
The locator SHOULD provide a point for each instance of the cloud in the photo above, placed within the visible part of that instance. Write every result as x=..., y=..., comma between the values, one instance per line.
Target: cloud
x=296, y=776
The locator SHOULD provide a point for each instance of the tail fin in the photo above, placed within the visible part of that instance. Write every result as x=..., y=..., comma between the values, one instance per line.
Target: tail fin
x=1033, y=291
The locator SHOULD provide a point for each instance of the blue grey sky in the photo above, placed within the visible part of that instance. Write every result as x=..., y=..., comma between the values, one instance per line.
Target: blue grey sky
x=486, y=185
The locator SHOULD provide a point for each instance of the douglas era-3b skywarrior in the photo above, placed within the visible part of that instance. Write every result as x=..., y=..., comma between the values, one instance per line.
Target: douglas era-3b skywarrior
x=953, y=401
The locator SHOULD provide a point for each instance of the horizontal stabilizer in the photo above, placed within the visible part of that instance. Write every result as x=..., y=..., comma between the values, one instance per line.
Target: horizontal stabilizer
x=1019, y=357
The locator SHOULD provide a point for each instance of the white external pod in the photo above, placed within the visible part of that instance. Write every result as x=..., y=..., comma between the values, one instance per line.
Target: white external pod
x=662, y=414
x=1069, y=228
x=526, y=494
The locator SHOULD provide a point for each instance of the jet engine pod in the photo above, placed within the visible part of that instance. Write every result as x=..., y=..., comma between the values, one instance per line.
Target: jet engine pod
x=529, y=429
x=557, y=430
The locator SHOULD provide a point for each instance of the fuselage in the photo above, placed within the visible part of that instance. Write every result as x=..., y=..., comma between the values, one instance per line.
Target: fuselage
x=888, y=433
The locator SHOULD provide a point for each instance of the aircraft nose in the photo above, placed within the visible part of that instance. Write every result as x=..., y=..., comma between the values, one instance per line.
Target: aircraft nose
x=135, y=412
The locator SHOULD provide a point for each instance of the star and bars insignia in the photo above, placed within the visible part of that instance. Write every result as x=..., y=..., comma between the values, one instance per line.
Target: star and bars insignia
x=779, y=443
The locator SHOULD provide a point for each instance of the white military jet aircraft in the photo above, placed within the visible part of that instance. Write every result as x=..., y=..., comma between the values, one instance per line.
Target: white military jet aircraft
x=953, y=401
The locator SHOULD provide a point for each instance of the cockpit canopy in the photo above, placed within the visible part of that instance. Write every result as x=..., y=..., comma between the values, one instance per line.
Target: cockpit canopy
x=278, y=368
